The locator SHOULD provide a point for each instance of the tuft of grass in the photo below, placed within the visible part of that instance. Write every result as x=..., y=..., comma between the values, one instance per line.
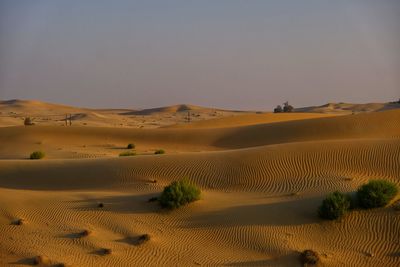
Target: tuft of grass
x=127, y=154
x=376, y=193
x=37, y=155
x=179, y=193
x=159, y=151
x=130, y=146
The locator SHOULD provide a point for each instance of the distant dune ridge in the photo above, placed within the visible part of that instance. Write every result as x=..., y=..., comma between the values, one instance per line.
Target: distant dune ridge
x=262, y=176
x=350, y=108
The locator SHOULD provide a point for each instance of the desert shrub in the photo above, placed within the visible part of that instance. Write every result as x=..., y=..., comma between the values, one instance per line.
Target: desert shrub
x=334, y=206
x=130, y=146
x=287, y=107
x=142, y=239
x=28, y=121
x=127, y=154
x=159, y=151
x=37, y=155
x=179, y=193
x=85, y=233
x=105, y=251
x=278, y=109
x=18, y=222
x=376, y=193
x=309, y=257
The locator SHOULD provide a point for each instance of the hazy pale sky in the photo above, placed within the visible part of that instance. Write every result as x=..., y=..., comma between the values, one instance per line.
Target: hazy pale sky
x=247, y=54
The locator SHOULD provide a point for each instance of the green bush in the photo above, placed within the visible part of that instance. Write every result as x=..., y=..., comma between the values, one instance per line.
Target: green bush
x=37, y=155
x=376, y=193
x=127, y=154
x=334, y=206
x=159, y=151
x=130, y=146
x=179, y=193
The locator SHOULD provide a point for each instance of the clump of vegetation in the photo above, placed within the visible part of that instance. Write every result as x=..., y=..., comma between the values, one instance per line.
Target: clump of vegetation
x=37, y=155
x=286, y=108
x=127, y=154
x=142, y=239
x=179, y=193
x=159, y=151
x=376, y=193
x=130, y=146
x=18, y=222
x=85, y=233
x=28, y=121
x=106, y=251
x=309, y=257
x=278, y=109
x=334, y=206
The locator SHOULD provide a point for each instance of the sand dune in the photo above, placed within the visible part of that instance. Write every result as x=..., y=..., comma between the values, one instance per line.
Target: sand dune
x=299, y=166
x=349, y=108
x=67, y=142
x=249, y=119
x=172, y=109
x=262, y=178
x=13, y=113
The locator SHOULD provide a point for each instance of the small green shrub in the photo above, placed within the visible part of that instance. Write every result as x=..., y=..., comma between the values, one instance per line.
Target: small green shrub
x=37, y=155
x=179, y=193
x=159, y=151
x=127, y=154
x=130, y=146
x=376, y=193
x=334, y=206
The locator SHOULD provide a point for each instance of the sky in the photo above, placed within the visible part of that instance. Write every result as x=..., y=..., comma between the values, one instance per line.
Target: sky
x=239, y=54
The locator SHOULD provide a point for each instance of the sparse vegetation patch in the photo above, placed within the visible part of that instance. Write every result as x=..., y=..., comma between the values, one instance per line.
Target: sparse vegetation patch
x=142, y=239
x=37, y=155
x=159, y=151
x=179, y=193
x=309, y=257
x=334, y=206
x=85, y=233
x=376, y=193
x=127, y=154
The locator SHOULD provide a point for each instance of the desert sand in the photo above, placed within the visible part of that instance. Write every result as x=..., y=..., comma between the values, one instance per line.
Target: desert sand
x=262, y=177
